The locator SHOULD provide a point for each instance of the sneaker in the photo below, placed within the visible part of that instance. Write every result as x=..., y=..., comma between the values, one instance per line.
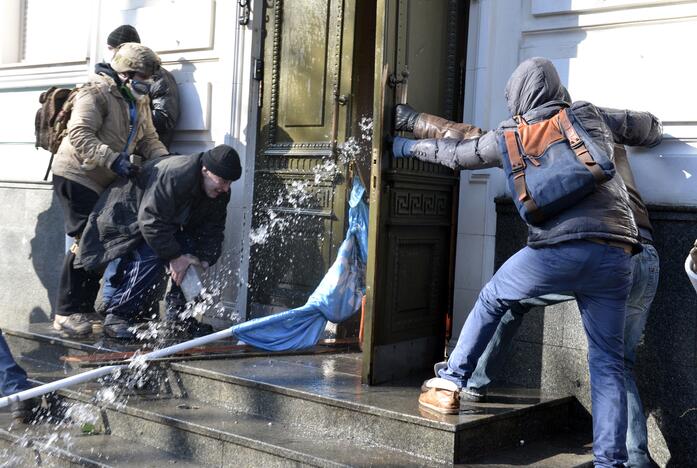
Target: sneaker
x=442, y=396
x=73, y=325
x=118, y=327
x=475, y=395
x=472, y=394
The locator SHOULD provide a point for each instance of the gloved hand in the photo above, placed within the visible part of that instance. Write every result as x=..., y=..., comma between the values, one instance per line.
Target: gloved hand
x=693, y=255
x=405, y=118
x=123, y=167
x=402, y=147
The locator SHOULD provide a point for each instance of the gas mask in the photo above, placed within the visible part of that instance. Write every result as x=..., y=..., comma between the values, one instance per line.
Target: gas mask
x=139, y=88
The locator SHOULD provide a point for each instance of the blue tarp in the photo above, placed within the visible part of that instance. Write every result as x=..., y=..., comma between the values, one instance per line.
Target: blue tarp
x=337, y=297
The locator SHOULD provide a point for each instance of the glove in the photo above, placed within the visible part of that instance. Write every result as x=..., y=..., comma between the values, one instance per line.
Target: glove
x=402, y=147
x=123, y=167
x=405, y=118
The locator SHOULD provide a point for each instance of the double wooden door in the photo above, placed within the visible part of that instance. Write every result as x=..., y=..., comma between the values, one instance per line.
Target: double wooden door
x=331, y=67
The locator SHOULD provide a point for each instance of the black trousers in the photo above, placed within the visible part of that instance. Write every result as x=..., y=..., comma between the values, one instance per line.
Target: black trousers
x=78, y=288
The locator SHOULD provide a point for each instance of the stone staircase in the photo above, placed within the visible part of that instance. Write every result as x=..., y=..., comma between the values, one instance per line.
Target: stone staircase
x=278, y=410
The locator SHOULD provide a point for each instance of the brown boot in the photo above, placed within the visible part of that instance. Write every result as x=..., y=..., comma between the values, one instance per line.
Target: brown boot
x=442, y=396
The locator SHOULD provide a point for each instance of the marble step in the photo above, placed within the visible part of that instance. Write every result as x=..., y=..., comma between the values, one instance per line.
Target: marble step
x=46, y=445
x=322, y=397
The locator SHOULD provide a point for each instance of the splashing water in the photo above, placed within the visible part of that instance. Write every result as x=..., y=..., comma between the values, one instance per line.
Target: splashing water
x=294, y=195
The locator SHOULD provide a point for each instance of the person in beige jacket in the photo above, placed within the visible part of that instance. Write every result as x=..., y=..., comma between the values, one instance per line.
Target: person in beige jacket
x=110, y=129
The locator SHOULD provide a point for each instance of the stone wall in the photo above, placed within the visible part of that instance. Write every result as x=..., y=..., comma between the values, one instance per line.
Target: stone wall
x=32, y=242
x=550, y=349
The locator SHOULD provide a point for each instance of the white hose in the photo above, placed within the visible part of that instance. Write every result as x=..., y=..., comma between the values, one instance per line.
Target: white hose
x=96, y=373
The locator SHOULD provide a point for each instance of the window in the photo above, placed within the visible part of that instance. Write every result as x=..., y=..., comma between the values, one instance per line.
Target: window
x=45, y=31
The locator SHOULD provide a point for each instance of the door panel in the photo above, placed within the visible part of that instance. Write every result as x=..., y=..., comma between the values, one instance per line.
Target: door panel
x=410, y=268
x=299, y=187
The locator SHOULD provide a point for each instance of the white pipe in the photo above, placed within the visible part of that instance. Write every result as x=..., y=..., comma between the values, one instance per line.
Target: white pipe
x=57, y=385
x=95, y=373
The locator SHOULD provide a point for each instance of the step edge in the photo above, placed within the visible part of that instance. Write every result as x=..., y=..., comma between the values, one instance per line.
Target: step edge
x=236, y=380
x=294, y=393
x=230, y=437
x=56, y=452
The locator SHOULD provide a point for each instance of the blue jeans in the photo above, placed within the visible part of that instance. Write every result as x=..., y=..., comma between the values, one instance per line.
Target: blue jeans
x=495, y=353
x=600, y=277
x=645, y=271
x=13, y=379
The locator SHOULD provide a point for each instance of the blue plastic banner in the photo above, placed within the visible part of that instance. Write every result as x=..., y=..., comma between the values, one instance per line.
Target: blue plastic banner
x=337, y=297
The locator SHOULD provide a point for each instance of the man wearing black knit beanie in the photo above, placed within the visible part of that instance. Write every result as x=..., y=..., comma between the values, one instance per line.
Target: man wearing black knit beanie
x=168, y=218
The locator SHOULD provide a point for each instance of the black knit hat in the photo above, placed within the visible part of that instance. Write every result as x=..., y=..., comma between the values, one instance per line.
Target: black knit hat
x=124, y=33
x=223, y=161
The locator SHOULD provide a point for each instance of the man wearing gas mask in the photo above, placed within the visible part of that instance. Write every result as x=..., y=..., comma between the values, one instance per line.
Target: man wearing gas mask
x=164, y=93
x=109, y=131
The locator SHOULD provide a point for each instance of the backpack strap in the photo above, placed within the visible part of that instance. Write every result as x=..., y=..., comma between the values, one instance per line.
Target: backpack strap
x=579, y=148
x=518, y=171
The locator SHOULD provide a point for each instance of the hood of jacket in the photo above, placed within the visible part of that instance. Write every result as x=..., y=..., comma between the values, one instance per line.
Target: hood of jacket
x=105, y=69
x=533, y=84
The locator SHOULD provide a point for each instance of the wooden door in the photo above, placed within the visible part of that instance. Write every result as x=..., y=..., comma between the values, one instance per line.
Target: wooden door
x=420, y=59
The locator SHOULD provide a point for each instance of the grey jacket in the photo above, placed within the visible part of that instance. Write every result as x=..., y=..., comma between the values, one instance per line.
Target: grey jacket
x=535, y=92
x=164, y=202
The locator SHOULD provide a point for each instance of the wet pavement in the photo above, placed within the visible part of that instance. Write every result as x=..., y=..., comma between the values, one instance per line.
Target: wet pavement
x=311, y=408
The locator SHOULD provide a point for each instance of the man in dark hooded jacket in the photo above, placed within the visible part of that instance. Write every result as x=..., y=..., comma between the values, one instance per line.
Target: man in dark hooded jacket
x=171, y=215
x=585, y=249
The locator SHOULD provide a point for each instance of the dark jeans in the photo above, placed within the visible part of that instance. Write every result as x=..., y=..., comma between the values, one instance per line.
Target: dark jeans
x=78, y=288
x=600, y=277
x=645, y=271
x=13, y=379
x=135, y=282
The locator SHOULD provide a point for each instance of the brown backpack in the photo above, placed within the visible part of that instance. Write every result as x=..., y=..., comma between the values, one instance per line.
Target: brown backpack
x=51, y=122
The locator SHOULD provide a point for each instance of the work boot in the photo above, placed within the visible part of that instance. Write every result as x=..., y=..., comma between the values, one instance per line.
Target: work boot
x=405, y=118
x=73, y=325
x=186, y=329
x=442, y=396
x=24, y=412
x=196, y=329
x=118, y=327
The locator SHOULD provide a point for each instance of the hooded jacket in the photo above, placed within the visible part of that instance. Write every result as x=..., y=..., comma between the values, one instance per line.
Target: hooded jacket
x=98, y=130
x=164, y=100
x=163, y=202
x=534, y=91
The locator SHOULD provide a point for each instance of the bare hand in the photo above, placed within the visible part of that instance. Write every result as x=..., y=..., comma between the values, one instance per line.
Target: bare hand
x=693, y=256
x=179, y=265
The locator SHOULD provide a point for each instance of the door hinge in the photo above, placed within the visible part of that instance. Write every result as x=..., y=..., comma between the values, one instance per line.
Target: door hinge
x=243, y=18
x=258, y=72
